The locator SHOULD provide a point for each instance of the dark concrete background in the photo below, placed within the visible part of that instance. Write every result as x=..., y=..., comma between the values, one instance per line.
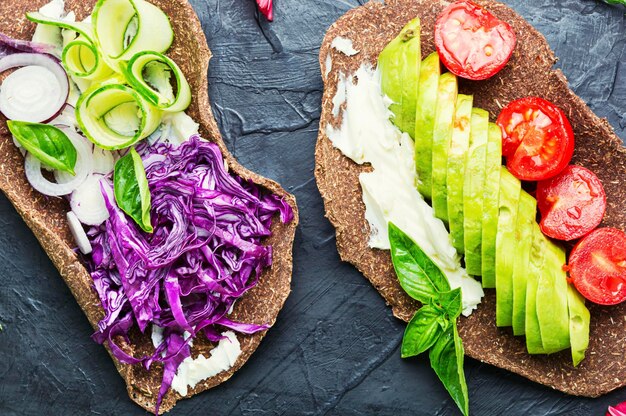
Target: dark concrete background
x=335, y=347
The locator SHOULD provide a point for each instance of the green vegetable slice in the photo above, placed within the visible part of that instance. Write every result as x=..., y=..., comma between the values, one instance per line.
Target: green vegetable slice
x=126, y=27
x=526, y=214
x=47, y=143
x=410, y=74
x=506, y=246
x=491, y=194
x=459, y=146
x=131, y=189
x=579, y=319
x=116, y=116
x=534, y=345
x=391, y=64
x=430, y=70
x=473, y=191
x=442, y=135
x=80, y=56
x=552, y=309
x=149, y=73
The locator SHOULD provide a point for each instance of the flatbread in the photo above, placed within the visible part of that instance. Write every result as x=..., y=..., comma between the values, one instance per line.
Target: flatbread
x=530, y=72
x=46, y=216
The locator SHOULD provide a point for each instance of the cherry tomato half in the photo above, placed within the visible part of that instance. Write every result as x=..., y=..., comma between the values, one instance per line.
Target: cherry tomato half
x=571, y=203
x=472, y=43
x=597, y=266
x=537, y=139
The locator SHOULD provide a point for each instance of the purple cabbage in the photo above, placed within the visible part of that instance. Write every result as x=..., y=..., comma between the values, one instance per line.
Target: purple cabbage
x=205, y=253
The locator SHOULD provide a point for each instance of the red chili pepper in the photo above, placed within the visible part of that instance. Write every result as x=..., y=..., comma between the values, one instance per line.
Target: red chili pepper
x=618, y=410
x=265, y=6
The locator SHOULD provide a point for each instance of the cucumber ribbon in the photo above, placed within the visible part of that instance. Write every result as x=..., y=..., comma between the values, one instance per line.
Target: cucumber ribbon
x=155, y=86
x=119, y=55
x=81, y=56
x=115, y=116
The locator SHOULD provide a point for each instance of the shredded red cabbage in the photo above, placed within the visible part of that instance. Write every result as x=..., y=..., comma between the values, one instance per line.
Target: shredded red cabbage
x=204, y=254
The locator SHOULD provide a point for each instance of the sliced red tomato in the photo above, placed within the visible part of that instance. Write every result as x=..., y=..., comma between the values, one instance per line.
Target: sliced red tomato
x=537, y=139
x=472, y=43
x=571, y=203
x=597, y=266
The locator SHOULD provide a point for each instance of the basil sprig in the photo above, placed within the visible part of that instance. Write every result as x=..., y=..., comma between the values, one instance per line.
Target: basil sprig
x=131, y=189
x=433, y=327
x=47, y=143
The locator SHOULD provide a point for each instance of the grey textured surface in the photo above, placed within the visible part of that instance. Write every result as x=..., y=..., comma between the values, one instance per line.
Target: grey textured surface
x=335, y=346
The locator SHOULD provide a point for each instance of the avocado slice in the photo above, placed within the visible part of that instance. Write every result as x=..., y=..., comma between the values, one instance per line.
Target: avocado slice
x=430, y=70
x=552, y=311
x=579, y=319
x=391, y=66
x=442, y=134
x=410, y=74
x=473, y=190
x=526, y=217
x=534, y=345
x=491, y=194
x=459, y=145
x=506, y=246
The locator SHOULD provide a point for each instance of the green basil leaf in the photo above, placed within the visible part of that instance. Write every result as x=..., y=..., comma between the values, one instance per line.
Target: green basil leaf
x=422, y=332
x=451, y=303
x=446, y=358
x=131, y=189
x=418, y=275
x=47, y=143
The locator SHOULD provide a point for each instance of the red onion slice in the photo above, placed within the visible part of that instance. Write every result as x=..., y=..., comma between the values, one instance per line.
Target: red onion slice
x=37, y=92
x=67, y=184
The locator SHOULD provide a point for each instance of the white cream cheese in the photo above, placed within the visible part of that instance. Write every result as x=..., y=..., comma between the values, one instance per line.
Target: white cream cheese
x=192, y=371
x=367, y=135
x=344, y=45
x=328, y=65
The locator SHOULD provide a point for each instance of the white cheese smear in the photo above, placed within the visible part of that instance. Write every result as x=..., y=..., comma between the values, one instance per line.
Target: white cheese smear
x=367, y=135
x=192, y=371
x=344, y=45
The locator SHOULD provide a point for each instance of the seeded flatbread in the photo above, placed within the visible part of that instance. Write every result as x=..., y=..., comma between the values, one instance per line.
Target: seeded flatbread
x=46, y=216
x=530, y=72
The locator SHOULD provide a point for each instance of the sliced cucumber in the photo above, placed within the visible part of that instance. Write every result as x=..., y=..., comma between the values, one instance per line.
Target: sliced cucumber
x=506, y=246
x=114, y=21
x=149, y=73
x=457, y=155
x=430, y=71
x=82, y=59
x=114, y=116
x=491, y=194
x=526, y=218
x=442, y=135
